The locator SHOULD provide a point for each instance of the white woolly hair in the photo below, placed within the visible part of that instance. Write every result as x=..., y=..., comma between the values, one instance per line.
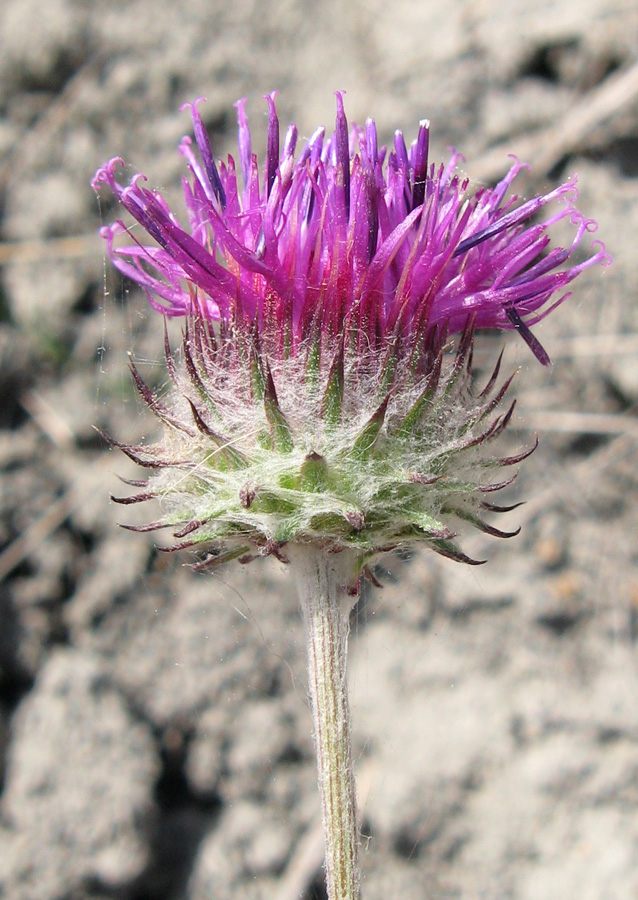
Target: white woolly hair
x=232, y=462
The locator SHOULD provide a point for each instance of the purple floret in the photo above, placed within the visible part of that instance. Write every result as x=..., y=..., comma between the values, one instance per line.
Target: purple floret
x=347, y=236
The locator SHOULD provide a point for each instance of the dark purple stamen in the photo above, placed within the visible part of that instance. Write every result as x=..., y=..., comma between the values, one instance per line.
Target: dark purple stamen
x=272, y=156
x=203, y=144
x=532, y=342
x=421, y=163
x=372, y=193
x=515, y=217
x=343, y=149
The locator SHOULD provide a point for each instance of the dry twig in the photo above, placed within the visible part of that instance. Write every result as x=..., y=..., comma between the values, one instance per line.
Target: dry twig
x=547, y=147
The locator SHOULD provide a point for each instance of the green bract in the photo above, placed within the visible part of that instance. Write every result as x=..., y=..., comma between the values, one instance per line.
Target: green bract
x=329, y=446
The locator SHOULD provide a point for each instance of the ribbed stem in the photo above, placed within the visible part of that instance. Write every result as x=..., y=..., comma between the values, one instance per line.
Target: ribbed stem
x=322, y=580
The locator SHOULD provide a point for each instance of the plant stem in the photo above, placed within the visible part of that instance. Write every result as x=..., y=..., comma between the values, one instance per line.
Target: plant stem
x=322, y=580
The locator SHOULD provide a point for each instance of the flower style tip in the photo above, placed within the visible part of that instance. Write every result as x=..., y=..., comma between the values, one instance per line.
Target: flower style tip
x=317, y=399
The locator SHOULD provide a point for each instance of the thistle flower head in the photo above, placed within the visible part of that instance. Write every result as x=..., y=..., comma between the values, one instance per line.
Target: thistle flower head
x=316, y=397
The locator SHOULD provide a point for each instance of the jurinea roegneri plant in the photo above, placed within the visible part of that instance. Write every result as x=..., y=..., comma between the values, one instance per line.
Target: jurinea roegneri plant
x=322, y=407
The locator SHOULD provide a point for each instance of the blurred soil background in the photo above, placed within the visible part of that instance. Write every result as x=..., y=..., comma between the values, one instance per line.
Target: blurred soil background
x=155, y=737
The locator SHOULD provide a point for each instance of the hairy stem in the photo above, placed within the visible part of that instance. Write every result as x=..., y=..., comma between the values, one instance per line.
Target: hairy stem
x=322, y=580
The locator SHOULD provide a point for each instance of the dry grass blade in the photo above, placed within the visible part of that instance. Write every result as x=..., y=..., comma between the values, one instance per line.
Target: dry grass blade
x=546, y=148
x=595, y=345
x=580, y=423
x=75, y=247
x=22, y=546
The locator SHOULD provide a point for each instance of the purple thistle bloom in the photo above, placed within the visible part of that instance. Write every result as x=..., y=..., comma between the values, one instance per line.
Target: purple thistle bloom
x=316, y=400
x=347, y=236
